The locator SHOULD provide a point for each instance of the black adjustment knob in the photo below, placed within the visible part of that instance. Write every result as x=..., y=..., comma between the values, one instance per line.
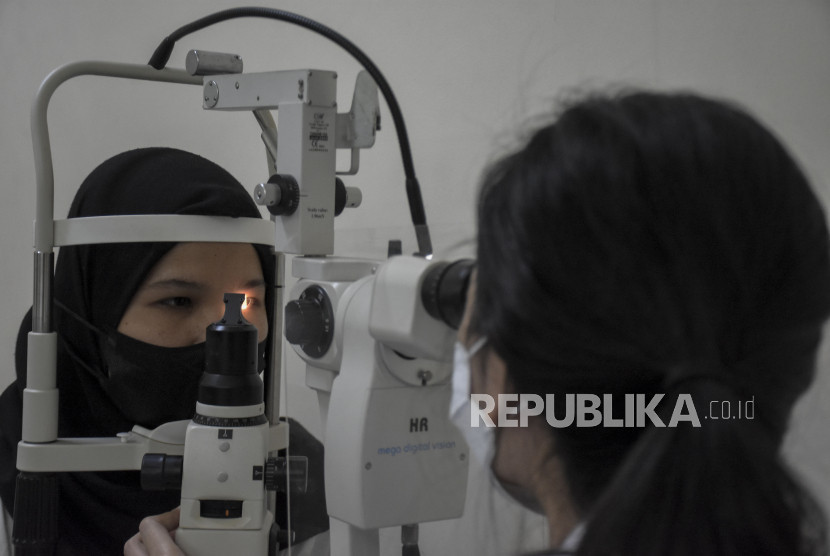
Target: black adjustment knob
x=340, y=196
x=303, y=321
x=36, y=513
x=272, y=472
x=309, y=322
x=283, y=198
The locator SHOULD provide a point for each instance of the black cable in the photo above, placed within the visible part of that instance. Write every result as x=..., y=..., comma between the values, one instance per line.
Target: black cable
x=413, y=188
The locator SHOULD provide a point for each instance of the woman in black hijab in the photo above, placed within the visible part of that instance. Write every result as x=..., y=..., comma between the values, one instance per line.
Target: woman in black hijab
x=110, y=381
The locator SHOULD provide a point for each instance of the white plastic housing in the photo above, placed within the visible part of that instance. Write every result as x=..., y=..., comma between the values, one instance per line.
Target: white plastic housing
x=392, y=455
x=398, y=318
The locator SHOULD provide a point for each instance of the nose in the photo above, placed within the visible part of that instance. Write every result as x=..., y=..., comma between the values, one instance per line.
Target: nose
x=210, y=313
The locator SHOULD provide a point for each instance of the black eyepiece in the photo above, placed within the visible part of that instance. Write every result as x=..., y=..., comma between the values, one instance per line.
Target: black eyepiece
x=444, y=290
x=231, y=372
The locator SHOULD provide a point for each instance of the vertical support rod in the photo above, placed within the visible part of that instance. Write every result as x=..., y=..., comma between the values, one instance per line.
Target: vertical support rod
x=272, y=384
x=36, y=500
x=35, y=530
x=272, y=378
x=42, y=297
x=353, y=541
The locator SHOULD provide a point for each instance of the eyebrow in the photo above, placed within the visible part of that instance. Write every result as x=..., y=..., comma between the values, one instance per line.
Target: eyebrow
x=255, y=283
x=174, y=283
x=178, y=283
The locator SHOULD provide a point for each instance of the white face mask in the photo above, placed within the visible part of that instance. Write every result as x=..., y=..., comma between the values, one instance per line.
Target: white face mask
x=481, y=439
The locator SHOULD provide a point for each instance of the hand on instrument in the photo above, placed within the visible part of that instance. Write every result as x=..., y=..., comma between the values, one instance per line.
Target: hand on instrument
x=155, y=536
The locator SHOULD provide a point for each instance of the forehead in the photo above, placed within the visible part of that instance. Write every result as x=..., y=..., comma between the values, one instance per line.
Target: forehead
x=200, y=260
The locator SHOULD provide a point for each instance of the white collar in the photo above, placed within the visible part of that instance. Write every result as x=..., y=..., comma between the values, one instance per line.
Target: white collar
x=574, y=538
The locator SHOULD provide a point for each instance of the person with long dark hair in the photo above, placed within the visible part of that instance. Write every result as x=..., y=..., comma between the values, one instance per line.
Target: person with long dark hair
x=658, y=256
x=131, y=320
x=665, y=246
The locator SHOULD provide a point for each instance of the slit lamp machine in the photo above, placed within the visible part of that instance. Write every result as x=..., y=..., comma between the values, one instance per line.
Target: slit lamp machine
x=376, y=336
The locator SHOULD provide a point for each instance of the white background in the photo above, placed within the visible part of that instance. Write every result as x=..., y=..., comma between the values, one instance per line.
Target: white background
x=469, y=75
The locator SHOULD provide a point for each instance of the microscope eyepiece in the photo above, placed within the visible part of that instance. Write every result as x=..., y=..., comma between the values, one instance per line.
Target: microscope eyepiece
x=444, y=291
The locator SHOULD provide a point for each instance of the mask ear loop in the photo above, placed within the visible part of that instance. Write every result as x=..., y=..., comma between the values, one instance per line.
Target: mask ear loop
x=476, y=347
x=461, y=380
x=472, y=351
x=70, y=350
x=79, y=318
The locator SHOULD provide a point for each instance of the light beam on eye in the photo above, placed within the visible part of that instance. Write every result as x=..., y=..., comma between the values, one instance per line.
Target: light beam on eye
x=246, y=303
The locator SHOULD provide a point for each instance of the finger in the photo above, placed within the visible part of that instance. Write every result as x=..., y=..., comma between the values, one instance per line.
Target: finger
x=170, y=520
x=156, y=537
x=134, y=546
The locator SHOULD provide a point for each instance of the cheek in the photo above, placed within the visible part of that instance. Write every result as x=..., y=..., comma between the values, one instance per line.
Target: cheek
x=260, y=320
x=476, y=379
x=161, y=330
x=185, y=331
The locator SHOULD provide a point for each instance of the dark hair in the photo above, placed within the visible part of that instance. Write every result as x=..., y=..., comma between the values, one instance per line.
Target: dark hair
x=647, y=243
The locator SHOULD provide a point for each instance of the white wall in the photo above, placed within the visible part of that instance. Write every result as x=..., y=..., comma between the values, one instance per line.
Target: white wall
x=467, y=73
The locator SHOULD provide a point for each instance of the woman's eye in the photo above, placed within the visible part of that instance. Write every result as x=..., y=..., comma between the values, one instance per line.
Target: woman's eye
x=250, y=302
x=177, y=302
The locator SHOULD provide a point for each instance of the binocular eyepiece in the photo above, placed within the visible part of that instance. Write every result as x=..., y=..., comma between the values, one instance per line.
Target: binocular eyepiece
x=444, y=290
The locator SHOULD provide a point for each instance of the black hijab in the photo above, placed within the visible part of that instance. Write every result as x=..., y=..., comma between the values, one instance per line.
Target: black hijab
x=100, y=511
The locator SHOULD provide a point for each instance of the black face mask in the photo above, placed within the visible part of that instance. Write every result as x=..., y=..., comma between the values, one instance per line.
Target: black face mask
x=149, y=384
x=153, y=385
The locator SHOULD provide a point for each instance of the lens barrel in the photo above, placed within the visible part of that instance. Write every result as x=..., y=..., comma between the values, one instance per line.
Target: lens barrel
x=231, y=375
x=444, y=290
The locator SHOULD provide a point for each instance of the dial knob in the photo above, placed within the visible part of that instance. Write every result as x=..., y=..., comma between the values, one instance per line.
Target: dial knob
x=309, y=322
x=281, y=195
